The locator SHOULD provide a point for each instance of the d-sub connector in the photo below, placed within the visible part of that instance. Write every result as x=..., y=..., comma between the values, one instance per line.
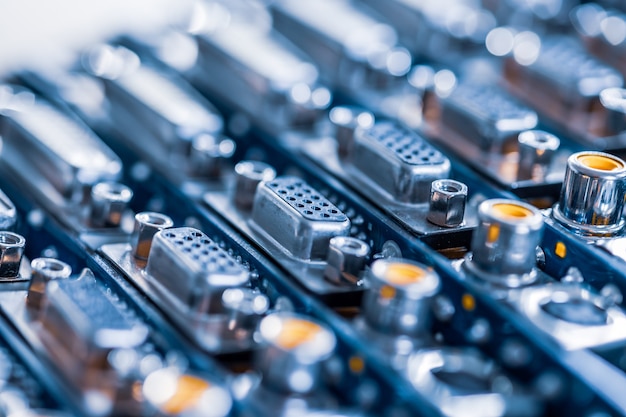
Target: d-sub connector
x=297, y=218
x=398, y=163
x=192, y=268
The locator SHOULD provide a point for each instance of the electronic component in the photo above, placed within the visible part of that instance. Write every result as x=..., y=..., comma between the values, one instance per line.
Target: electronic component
x=290, y=361
x=592, y=197
x=465, y=382
x=427, y=29
x=172, y=391
x=295, y=223
x=397, y=310
x=504, y=244
x=395, y=168
x=62, y=163
x=496, y=135
x=253, y=69
x=503, y=261
x=206, y=290
x=356, y=52
x=564, y=82
x=172, y=125
x=592, y=201
x=297, y=217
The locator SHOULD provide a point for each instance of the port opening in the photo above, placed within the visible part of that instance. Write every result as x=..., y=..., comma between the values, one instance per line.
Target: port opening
x=404, y=274
x=11, y=239
x=510, y=211
x=600, y=162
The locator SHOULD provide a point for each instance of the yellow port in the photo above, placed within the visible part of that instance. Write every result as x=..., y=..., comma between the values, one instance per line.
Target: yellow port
x=356, y=364
x=387, y=292
x=468, y=302
x=511, y=211
x=188, y=392
x=296, y=332
x=404, y=274
x=600, y=162
x=560, y=249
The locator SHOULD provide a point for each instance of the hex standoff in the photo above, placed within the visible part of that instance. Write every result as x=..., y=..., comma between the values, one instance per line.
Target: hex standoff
x=297, y=218
x=293, y=348
x=536, y=149
x=248, y=175
x=505, y=242
x=346, y=260
x=58, y=147
x=11, y=251
x=44, y=270
x=399, y=299
x=398, y=163
x=108, y=203
x=208, y=154
x=592, y=196
x=447, y=203
x=345, y=120
x=147, y=224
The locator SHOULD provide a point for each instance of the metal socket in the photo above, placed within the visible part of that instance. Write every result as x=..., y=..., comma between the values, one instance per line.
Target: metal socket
x=208, y=153
x=248, y=175
x=346, y=260
x=592, y=196
x=505, y=242
x=447, y=203
x=613, y=101
x=108, y=202
x=11, y=251
x=193, y=269
x=294, y=348
x=44, y=270
x=399, y=300
x=536, y=149
x=147, y=224
x=297, y=217
x=345, y=120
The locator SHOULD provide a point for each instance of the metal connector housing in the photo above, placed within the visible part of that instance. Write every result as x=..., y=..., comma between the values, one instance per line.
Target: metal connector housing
x=61, y=152
x=297, y=217
x=192, y=268
x=398, y=163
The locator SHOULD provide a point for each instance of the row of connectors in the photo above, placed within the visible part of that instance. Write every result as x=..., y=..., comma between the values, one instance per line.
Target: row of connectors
x=209, y=300
x=286, y=216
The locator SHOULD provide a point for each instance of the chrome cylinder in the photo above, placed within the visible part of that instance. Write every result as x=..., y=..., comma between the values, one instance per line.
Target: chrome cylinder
x=11, y=251
x=345, y=120
x=399, y=299
x=592, y=196
x=248, y=175
x=147, y=224
x=613, y=101
x=346, y=260
x=108, y=202
x=44, y=270
x=294, y=348
x=536, y=149
x=504, y=243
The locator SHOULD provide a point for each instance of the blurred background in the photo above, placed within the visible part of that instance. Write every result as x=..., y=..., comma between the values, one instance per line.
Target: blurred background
x=41, y=33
